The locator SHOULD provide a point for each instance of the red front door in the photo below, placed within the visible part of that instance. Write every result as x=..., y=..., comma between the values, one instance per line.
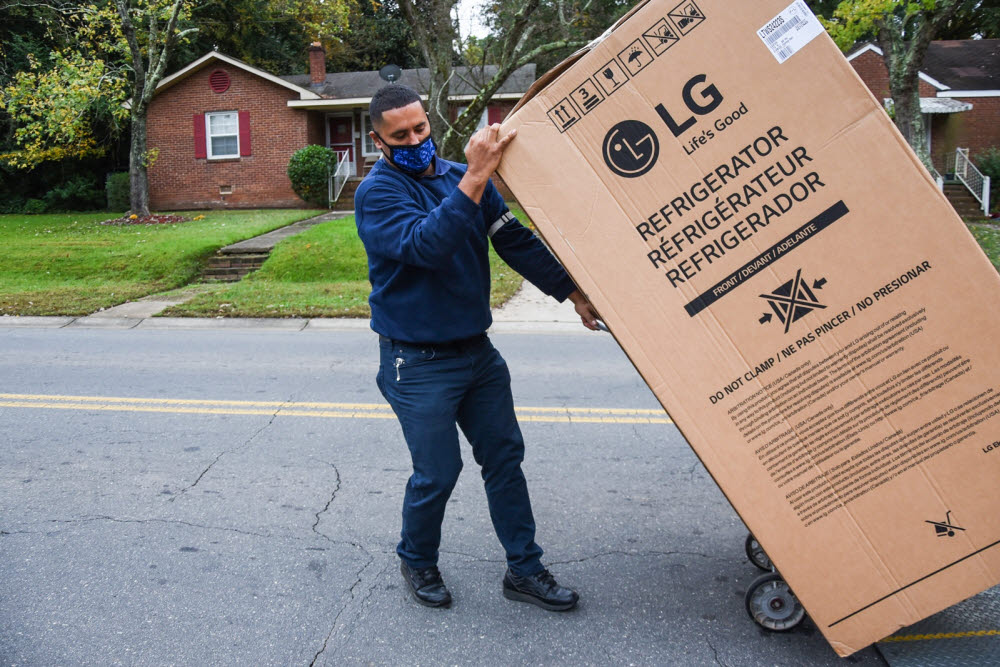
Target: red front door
x=342, y=136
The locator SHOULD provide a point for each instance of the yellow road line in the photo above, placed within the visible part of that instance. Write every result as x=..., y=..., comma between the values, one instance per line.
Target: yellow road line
x=943, y=635
x=568, y=415
x=275, y=404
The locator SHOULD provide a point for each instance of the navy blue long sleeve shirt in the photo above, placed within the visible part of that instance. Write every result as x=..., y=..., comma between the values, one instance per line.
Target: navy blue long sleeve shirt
x=428, y=261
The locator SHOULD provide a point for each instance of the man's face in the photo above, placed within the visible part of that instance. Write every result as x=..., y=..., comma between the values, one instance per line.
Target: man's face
x=405, y=126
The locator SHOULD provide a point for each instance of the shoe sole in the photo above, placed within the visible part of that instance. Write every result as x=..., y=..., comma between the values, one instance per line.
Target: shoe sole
x=524, y=597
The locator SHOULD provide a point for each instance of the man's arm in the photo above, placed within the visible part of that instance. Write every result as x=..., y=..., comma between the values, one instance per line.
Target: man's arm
x=392, y=225
x=516, y=245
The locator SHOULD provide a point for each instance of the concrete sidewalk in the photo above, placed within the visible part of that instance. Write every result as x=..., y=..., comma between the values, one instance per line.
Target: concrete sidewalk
x=528, y=311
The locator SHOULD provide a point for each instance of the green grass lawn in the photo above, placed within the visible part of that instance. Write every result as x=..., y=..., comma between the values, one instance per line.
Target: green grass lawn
x=69, y=264
x=322, y=272
x=988, y=236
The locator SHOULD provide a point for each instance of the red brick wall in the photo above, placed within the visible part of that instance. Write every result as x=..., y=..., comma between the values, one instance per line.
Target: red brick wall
x=976, y=129
x=177, y=180
x=316, y=132
x=871, y=68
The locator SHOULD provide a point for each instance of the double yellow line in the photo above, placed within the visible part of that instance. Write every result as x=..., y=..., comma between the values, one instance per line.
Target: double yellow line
x=942, y=635
x=308, y=409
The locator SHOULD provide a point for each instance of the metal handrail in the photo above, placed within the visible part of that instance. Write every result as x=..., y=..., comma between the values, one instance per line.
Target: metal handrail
x=339, y=177
x=977, y=183
x=936, y=175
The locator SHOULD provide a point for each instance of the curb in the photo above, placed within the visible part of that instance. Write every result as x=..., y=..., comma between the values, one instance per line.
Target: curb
x=256, y=324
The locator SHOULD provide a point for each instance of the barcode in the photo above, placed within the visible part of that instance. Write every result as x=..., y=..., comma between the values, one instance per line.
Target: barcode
x=777, y=34
x=785, y=54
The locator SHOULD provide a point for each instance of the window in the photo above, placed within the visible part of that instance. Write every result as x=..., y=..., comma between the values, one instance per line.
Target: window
x=223, y=130
x=368, y=146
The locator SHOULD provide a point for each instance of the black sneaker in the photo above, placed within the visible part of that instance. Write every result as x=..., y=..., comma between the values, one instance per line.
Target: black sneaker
x=540, y=589
x=426, y=585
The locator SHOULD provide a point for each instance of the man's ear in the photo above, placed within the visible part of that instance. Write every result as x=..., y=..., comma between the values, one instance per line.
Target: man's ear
x=374, y=138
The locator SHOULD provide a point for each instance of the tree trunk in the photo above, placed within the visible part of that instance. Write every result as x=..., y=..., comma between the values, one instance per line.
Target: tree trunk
x=138, y=178
x=904, y=45
x=435, y=33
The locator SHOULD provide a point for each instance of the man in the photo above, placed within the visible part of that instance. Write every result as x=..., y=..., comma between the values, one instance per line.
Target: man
x=426, y=224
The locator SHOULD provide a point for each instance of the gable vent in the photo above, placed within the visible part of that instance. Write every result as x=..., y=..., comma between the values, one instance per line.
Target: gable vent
x=218, y=81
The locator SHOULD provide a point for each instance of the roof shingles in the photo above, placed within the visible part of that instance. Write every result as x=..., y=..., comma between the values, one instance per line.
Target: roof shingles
x=466, y=81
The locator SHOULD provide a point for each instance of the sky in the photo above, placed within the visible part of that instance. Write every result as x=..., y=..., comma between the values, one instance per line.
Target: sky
x=468, y=18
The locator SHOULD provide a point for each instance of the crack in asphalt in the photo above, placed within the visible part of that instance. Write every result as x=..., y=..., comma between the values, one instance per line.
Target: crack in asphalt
x=715, y=652
x=360, y=575
x=230, y=451
x=361, y=606
x=333, y=496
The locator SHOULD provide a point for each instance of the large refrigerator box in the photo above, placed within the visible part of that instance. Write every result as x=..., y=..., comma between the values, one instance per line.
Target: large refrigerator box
x=789, y=281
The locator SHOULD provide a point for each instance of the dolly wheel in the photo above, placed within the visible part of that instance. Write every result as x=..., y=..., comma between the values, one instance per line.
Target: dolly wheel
x=756, y=553
x=772, y=605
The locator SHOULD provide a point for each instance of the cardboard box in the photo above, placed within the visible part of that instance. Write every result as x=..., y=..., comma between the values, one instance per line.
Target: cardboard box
x=787, y=278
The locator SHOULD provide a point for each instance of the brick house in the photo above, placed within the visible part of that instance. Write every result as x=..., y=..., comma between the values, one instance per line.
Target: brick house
x=223, y=131
x=959, y=94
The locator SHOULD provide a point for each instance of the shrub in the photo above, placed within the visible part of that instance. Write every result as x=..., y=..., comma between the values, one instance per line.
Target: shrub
x=989, y=163
x=78, y=193
x=309, y=170
x=12, y=204
x=34, y=207
x=117, y=190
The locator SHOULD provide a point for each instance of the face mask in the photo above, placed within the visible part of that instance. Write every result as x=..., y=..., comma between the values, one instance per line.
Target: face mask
x=414, y=159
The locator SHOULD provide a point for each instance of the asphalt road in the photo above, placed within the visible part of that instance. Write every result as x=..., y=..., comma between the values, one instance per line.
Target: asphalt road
x=232, y=497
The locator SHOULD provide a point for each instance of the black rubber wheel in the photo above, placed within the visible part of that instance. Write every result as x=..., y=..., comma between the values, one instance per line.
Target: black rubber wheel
x=772, y=604
x=756, y=553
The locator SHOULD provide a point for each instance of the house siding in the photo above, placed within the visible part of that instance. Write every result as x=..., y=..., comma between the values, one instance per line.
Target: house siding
x=178, y=180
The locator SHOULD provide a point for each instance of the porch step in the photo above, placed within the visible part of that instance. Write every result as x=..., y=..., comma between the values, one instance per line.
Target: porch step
x=232, y=263
x=345, y=202
x=232, y=267
x=962, y=200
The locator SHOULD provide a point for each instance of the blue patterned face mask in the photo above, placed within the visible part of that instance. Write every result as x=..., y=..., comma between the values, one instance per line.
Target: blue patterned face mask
x=413, y=159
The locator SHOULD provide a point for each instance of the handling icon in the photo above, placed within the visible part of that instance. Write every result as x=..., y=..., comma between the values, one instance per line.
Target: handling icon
x=945, y=528
x=793, y=300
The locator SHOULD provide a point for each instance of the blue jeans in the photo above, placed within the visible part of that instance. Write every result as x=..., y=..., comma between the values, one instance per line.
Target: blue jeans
x=431, y=388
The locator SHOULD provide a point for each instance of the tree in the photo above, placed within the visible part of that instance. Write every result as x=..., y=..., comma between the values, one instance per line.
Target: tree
x=259, y=33
x=436, y=32
x=974, y=19
x=154, y=39
x=119, y=53
x=116, y=54
x=903, y=30
x=376, y=35
x=521, y=31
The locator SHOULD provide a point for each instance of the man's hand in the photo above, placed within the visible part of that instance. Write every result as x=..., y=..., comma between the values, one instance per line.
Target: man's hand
x=585, y=310
x=483, y=155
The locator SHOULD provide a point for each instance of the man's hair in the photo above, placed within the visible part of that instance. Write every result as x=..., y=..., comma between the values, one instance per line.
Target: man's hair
x=393, y=96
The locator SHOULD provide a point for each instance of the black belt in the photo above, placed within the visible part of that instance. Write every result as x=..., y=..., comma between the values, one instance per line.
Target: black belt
x=460, y=344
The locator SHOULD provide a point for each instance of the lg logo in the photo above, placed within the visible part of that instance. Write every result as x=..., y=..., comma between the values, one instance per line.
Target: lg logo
x=631, y=147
